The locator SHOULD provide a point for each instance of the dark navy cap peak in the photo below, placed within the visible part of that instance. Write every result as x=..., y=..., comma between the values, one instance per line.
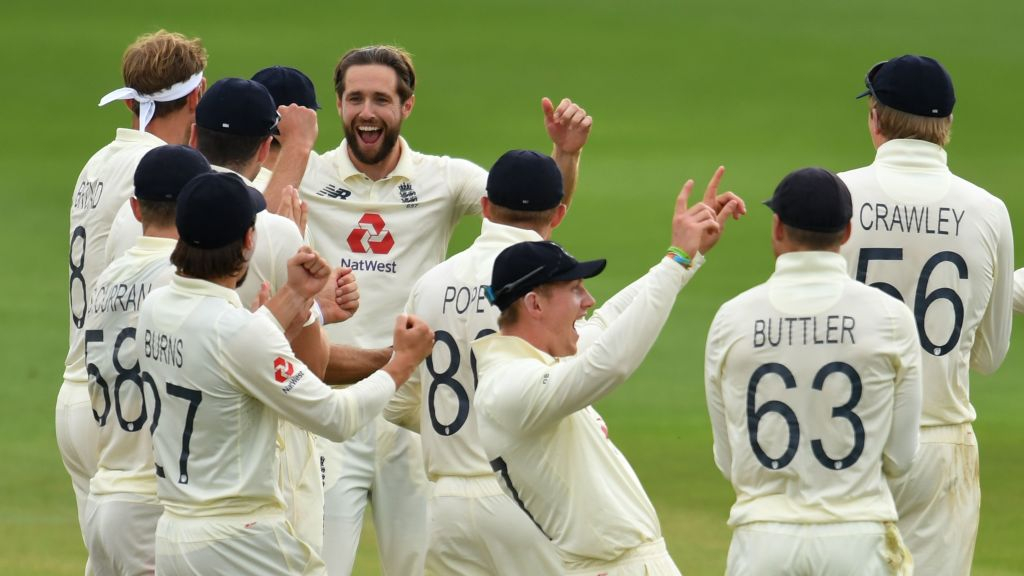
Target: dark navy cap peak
x=288, y=86
x=238, y=106
x=522, y=267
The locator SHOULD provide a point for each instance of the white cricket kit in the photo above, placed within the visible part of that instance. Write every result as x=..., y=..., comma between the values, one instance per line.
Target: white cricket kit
x=475, y=528
x=224, y=376
x=551, y=447
x=262, y=179
x=123, y=506
x=106, y=182
x=813, y=385
x=1018, y=291
x=944, y=247
x=390, y=232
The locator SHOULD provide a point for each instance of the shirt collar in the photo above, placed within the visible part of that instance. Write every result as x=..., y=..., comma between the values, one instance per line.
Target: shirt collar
x=404, y=169
x=205, y=288
x=912, y=154
x=130, y=135
x=152, y=244
x=230, y=171
x=502, y=235
x=801, y=267
x=498, y=347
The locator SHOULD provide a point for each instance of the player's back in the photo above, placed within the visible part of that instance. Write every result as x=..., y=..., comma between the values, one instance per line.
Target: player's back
x=105, y=183
x=942, y=246
x=807, y=375
x=123, y=398
x=214, y=443
x=450, y=298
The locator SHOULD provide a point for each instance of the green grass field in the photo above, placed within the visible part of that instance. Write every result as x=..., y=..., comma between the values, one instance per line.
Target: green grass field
x=676, y=88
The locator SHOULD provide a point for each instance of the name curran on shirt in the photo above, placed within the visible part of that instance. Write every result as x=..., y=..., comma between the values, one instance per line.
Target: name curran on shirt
x=118, y=297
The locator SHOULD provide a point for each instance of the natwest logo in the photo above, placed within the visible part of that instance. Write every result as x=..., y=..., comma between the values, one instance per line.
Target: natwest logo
x=370, y=236
x=283, y=369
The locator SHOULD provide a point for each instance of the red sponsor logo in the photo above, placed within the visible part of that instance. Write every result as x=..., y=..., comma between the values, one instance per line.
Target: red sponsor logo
x=370, y=236
x=283, y=369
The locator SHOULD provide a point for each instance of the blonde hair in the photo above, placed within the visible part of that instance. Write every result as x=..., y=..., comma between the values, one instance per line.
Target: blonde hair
x=893, y=124
x=159, y=60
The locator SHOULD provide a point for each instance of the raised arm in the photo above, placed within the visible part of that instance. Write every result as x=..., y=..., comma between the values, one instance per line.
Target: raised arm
x=568, y=126
x=298, y=131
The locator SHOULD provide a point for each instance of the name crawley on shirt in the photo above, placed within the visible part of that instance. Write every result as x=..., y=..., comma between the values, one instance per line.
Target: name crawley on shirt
x=911, y=219
x=163, y=348
x=830, y=329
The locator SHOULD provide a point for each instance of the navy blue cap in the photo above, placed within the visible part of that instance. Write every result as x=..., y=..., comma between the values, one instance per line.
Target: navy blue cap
x=163, y=172
x=238, y=106
x=812, y=199
x=525, y=180
x=522, y=267
x=288, y=86
x=916, y=85
x=216, y=209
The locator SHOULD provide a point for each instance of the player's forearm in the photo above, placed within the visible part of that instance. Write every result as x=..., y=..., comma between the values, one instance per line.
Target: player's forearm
x=347, y=364
x=569, y=164
x=287, y=305
x=311, y=346
x=290, y=167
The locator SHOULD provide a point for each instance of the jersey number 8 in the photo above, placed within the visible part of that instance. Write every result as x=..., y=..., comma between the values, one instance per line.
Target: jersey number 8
x=447, y=378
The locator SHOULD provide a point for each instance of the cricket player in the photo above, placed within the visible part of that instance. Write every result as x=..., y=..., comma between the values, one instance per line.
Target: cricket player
x=540, y=374
x=163, y=76
x=944, y=247
x=813, y=384
x=224, y=376
x=123, y=508
x=289, y=88
x=474, y=527
x=388, y=212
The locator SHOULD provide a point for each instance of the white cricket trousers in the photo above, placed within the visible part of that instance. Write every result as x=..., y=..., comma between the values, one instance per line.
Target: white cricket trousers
x=120, y=531
x=839, y=549
x=475, y=529
x=382, y=465
x=300, y=482
x=77, y=440
x=650, y=559
x=939, y=501
x=262, y=544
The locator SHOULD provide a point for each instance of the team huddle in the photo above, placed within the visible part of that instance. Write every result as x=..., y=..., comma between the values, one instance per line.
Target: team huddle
x=264, y=340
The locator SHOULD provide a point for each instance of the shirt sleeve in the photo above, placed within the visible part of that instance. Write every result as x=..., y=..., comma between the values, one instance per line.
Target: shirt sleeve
x=286, y=240
x=124, y=230
x=468, y=185
x=901, y=446
x=714, y=361
x=992, y=340
x=267, y=369
x=404, y=408
x=1018, y=291
x=550, y=394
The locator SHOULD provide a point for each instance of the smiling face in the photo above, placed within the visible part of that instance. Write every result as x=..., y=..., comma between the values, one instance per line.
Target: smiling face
x=561, y=304
x=372, y=113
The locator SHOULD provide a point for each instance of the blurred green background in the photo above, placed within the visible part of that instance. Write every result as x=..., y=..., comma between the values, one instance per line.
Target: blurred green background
x=676, y=87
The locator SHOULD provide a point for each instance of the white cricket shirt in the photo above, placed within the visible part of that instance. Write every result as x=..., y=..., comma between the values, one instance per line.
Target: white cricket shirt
x=389, y=231
x=813, y=385
x=122, y=397
x=277, y=240
x=945, y=248
x=547, y=443
x=105, y=183
x=450, y=298
x=1018, y=291
x=224, y=376
x=262, y=179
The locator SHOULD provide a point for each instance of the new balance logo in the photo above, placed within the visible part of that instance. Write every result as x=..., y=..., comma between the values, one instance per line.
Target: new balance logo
x=332, y=191
x=408, y=195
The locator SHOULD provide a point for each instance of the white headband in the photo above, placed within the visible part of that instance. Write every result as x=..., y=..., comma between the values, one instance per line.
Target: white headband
x=147, y=102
